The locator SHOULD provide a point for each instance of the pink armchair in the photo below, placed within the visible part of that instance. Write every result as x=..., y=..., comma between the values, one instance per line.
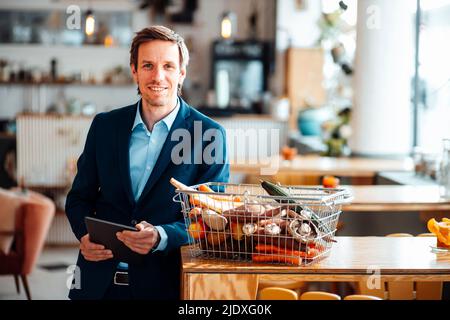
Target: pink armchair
x=32, y=222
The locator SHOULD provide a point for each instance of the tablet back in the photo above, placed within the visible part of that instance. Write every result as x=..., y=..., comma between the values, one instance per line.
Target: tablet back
x=104, y=232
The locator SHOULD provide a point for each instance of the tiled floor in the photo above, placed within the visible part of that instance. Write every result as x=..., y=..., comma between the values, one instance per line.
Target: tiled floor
x=48, y=280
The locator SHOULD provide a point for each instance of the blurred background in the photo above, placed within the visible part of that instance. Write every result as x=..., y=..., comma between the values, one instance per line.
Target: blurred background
x=337, y=80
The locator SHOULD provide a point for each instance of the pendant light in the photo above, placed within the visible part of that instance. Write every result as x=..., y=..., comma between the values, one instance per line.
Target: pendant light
x=90, y=23
x=228, y=25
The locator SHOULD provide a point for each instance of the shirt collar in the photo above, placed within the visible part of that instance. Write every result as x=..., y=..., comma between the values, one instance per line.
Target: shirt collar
x=168, y=120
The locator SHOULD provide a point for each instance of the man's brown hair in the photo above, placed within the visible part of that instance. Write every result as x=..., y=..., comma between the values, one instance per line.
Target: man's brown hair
x=159, y=33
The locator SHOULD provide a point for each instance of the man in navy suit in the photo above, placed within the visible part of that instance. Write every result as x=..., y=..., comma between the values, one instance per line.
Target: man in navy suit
x=124, y=171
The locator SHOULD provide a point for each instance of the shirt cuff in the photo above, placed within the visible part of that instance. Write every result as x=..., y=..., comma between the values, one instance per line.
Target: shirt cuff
x=163, y=242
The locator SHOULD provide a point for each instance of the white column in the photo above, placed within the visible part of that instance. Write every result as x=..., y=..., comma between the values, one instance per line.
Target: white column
x=384, y=67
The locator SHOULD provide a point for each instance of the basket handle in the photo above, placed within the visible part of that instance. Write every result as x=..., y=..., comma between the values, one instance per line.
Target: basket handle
x=347, y=198
x=177, y=198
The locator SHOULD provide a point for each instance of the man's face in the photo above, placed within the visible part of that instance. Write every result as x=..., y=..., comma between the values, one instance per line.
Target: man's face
x=158, y=72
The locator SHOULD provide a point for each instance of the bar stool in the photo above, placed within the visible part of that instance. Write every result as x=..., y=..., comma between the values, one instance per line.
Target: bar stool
x=319, y=295
x=275, y=293
x=361, y=297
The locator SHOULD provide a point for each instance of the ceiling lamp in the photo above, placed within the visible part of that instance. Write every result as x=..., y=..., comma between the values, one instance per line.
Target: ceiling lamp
x=90, y=23
x=228, y=25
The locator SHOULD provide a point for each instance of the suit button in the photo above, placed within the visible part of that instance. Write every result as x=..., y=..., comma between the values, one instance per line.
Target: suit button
x=133, y=222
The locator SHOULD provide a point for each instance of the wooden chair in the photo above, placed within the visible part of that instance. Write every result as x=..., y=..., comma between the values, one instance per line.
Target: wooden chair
x=399, y=235
x=428, y=290
x=361, y=297
x=319, y=295
x=275, y=293
x=405, y=290
x=268, y=280
x=408, y=290
x=427, y=234
x=400, y=290
x=33, y=221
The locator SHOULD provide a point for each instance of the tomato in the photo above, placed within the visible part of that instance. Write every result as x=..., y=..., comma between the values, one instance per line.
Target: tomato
x=197, y=230
x=288, y=153
x=330, y=182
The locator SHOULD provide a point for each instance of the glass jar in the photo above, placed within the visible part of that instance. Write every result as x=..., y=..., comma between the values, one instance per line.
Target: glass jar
x=444, y=172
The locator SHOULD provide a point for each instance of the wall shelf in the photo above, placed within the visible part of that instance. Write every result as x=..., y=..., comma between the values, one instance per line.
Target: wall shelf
x=84, y=84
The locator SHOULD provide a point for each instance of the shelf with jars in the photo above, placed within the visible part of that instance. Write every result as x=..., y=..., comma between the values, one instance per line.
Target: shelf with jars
x=82, y=84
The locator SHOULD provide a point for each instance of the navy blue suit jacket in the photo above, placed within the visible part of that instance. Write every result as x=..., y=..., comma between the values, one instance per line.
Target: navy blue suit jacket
x=102, y=187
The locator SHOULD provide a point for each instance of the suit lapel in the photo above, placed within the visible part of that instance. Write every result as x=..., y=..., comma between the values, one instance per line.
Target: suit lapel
x=164, y=158
x=123, y=142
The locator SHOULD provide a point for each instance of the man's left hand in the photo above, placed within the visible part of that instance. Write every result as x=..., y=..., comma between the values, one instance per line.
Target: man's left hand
x=141, y=241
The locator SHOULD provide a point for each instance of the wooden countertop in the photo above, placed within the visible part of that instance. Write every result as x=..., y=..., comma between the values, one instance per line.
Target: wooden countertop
x=396, y=198
x=349, y=259
x=315, y=165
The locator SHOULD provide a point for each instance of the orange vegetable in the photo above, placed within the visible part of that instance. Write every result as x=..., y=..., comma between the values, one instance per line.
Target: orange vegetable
x=237, y=199
x=330, y=182
x=274, y=249
x=276, y=258
x=288, y=153
x=197, y=230
x=205, y=188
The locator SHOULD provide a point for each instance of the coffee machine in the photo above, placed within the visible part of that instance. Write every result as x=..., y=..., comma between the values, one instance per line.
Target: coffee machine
x=239, y=73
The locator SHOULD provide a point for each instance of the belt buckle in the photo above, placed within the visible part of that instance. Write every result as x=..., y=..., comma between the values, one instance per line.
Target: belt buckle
x=120, y=273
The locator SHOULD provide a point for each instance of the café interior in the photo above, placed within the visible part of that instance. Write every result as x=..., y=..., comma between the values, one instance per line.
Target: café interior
x=347, y=100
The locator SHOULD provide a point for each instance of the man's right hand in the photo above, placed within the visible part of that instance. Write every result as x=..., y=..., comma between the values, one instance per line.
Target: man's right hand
x=93, y=251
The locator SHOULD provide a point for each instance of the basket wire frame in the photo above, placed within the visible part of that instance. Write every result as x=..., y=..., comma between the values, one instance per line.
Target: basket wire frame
x=242, y=222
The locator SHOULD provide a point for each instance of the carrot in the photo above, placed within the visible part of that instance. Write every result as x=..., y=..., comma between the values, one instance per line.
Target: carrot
x=312, y=253
x=205, y=188
x=237, y=199
x=274, y=249
x=276, y=258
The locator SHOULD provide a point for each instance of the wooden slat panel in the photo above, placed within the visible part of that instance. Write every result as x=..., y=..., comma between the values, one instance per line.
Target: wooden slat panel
x=222, y=286
x=45, y=145
x=429, y=290
x=400, y=290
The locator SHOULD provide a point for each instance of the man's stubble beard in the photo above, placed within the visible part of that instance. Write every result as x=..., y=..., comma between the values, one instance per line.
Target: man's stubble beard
x=159, y=102
x=153, y=103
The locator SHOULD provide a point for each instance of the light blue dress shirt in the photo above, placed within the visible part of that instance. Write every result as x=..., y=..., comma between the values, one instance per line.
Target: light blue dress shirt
x=144, y=150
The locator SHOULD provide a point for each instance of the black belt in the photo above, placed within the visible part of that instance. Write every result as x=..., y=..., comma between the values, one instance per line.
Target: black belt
x=121, y=278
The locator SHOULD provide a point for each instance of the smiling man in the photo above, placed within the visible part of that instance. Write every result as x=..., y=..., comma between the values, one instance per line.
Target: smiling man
x=124, y=171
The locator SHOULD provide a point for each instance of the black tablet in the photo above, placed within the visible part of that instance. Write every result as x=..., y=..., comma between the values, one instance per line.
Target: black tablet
x=104, y=232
